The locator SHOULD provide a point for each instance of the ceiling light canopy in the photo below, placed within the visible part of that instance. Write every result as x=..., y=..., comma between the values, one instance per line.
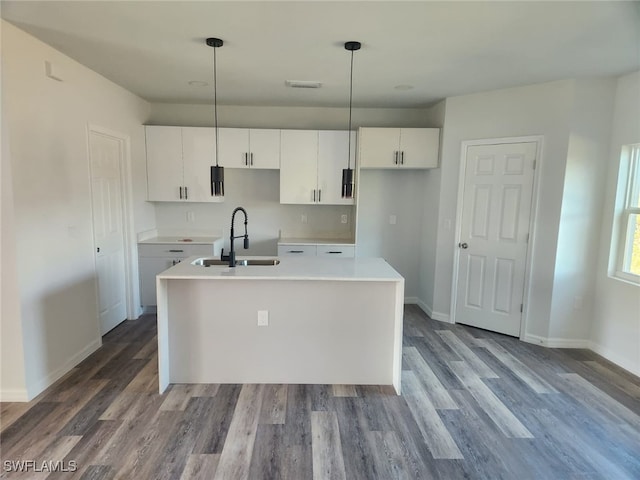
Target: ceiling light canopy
x=347, y=173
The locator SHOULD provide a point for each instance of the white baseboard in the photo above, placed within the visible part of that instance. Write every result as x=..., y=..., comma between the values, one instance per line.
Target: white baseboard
x=556, y=342
x=613, y=357
x=441, y=317
x=58, y=373
x=424, y=307
x=15, y=395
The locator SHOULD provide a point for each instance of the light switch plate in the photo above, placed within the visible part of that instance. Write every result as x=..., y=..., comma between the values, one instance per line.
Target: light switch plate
x=263, y=318
x=392, y=219
x=344, y=219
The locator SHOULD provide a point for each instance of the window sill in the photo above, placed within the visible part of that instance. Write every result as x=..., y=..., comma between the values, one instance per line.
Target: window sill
x=625, y=278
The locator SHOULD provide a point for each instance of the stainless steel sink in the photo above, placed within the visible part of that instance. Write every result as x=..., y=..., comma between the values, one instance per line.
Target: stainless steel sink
x=208, y=262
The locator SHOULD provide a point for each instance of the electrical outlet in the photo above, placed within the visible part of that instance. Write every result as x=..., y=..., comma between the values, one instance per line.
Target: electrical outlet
x=344, y=219
x=392, y=219
x=263, y=318
x=303, y=218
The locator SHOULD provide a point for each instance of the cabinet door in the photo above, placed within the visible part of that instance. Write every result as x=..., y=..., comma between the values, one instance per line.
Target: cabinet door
x=164, y=164
x=264, y=148
x=298, y=166
x=419, y=147
x=149, y=268
x=233, y=147
x=379, y=147
x=199, y=155
x=333, y=150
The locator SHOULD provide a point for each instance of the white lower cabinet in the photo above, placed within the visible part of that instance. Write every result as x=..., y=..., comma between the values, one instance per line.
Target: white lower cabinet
x=156, y=258
x=316, y=250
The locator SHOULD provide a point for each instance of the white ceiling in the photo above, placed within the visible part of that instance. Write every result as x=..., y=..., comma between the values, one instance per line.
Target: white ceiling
x=441, y=49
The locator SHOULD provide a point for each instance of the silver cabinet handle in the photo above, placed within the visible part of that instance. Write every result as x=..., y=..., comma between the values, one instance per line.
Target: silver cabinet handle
x=314, y=195
x=295, y=251
x=246, y=159
x=395, y=157
x=176, y=251
x=180, y=193
x=334, y=251
x=402, y=158
x=186, y=193
x=319, y=195
x=251, y=159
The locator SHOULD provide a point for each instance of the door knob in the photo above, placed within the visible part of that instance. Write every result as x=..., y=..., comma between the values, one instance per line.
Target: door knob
x=463, y=245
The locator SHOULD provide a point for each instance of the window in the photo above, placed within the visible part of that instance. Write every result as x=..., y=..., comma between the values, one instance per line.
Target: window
x=628, y=255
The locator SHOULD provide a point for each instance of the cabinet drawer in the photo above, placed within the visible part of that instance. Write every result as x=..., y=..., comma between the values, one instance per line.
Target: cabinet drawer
x=174, y=250
x=336, y=251
x=285, y=250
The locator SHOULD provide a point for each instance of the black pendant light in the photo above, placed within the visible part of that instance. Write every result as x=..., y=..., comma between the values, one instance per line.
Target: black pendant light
x=217, y=172
x=347, y=173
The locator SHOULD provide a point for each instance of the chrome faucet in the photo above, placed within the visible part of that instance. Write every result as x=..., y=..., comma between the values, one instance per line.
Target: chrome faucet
x=232, y=253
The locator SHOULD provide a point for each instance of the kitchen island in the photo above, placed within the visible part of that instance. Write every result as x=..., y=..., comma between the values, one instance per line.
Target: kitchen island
x=306, y=320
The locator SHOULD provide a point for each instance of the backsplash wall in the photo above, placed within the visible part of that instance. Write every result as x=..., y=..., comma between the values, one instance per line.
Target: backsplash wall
x=258, y=191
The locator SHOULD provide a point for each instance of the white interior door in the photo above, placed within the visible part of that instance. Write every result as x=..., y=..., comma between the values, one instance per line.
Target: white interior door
x=106, y=154
x=498, y=185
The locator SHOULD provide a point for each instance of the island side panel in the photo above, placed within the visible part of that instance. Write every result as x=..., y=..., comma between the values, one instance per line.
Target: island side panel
x=398, y=329
x=163, y=334
x=320, y=332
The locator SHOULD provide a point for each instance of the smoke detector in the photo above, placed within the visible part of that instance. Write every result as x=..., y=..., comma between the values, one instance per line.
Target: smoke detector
x=302, y=83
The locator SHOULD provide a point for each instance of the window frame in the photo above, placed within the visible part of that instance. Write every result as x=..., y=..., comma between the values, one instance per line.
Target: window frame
x=628, y=190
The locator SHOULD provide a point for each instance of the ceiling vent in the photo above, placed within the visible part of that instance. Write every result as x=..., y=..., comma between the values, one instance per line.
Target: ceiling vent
x=302, y=84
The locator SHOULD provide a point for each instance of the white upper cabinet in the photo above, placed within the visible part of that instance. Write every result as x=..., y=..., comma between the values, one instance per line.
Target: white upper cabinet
x=298, y=166
x=333, y=151
x=249, y=148
x=164, y=164
x=311, y=166
x=398, y=147
x=198, y=153
x=179, y=161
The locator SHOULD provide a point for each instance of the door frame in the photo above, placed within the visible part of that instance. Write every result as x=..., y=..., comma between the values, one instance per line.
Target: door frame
x=539, y=140
x=129, y=242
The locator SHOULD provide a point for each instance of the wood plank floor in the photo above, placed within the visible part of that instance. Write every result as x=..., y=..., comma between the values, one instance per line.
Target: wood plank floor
x=475, y=405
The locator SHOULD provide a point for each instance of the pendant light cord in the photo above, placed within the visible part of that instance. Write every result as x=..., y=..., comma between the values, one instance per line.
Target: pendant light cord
x=215, y=101
x=350, y=108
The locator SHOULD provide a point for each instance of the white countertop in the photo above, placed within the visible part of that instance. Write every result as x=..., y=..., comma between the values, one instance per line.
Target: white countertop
x=180, y=240
x=315, y=241
x=290, y=268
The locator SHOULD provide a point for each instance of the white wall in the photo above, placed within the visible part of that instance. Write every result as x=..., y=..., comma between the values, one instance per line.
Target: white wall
x=429, y=234
x=580, y=216
x=542, y=109
x=56, y=278
x=284, y=117
x=615, y=332
x=383, y=193
x=12, y=371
